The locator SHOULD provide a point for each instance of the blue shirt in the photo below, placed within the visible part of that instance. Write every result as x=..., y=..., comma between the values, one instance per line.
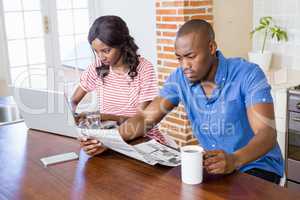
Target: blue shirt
x=220, y=121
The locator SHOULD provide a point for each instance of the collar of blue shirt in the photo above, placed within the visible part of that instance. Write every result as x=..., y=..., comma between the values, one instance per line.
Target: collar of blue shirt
x=222, y=70
x=220, y=77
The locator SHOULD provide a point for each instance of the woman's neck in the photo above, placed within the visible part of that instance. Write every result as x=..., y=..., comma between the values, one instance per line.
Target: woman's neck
x=120, y=67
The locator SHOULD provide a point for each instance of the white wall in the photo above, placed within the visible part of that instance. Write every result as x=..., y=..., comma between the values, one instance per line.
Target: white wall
x=286, y=14
x=232, y=24
x=140, y=18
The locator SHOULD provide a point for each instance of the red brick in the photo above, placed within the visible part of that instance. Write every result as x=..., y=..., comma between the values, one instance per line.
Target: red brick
x=170, y=64
x=204, y=17
x=166, y=56
x=171, y=15
x=175, y=128
x=200, y=3
x=175, y=3
x=193, y=141
x=164, y=70
x=166, y=11
x=172, y=19
x=166, y=26
x=169, y=126
x=169, y=34
x=185, y=137
x=165, y=41
x=163, y=77
x=170, y=49
x=176, y=121
x=181, y=108
x=178, y=142
x=173, y=114
x=160, y=83
x=191, y=11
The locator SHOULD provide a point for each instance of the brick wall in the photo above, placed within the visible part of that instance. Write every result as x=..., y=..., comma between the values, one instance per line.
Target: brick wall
x=170, y=15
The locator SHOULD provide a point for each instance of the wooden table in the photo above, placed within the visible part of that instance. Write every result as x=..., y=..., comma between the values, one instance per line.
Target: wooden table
x=108, y=176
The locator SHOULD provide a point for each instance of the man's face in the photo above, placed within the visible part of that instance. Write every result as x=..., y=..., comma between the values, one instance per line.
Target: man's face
x=195, y=54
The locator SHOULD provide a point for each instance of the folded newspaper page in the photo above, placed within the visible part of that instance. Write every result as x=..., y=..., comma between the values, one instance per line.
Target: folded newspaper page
x=160, y=153
x=151, y=152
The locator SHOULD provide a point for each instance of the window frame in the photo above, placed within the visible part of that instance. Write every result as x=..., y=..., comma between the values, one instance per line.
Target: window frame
x=53, y=61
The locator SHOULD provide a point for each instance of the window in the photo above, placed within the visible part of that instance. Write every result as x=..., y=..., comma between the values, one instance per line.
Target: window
x=43, y=35
x=25, y=43
x=73, y=26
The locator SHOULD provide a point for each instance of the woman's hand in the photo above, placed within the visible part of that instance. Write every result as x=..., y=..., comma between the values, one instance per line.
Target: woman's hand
x=91, y=147
x=87, y=118
x=79, y=118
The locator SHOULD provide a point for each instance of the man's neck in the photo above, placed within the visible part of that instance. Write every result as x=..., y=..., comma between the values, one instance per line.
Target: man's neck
x=211, y=74
x=208, y=83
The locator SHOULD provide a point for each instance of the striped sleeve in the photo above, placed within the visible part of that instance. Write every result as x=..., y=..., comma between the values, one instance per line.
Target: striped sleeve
x=88, y=78
x=148, y=82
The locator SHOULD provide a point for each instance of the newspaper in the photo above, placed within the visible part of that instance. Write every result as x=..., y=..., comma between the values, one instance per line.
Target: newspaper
x=150, y=152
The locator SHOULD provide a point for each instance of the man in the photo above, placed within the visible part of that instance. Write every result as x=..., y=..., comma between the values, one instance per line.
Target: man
x=227, y=101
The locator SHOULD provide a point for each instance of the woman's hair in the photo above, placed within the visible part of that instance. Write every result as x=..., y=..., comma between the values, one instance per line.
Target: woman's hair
x=113, y=31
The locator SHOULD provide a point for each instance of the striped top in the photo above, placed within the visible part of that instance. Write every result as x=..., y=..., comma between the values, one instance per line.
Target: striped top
x=120, y=94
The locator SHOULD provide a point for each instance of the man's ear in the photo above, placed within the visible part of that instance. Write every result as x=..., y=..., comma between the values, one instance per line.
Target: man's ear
x=213, y=47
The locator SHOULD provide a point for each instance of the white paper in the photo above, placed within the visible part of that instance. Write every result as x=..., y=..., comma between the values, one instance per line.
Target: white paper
x=150, y=152
x=160, y=153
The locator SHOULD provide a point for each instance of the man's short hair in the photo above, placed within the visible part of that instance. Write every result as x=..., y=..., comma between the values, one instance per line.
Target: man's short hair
x=197, y=26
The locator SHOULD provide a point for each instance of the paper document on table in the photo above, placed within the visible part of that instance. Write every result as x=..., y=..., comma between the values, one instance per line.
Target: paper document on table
x=160, y=153
x=150, y=152
x=111, y=139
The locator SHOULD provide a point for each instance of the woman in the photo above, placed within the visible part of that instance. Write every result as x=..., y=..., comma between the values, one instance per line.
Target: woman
x=124, y=81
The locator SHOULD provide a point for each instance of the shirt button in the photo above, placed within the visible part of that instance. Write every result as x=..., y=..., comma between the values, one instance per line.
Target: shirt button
x=213, y=145
x=264, y=99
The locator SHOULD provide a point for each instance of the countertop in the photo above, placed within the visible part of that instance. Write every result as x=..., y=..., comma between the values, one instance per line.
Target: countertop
x=7, y=100
x=283, y=78
x=9, y=112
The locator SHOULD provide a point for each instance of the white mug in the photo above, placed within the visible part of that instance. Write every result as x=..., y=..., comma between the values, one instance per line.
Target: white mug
x=191, y=164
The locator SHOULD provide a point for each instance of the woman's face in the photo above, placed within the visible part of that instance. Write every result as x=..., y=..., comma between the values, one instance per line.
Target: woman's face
x=108, y=55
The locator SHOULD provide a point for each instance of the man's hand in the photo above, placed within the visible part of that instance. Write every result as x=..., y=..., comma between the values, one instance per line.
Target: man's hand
x=219, y=162
x=91, y=147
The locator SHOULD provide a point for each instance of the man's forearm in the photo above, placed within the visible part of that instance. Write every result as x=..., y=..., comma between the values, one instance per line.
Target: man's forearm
x=259, y=145
x=135, y=127
x=144, y=121
x=109, y=117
